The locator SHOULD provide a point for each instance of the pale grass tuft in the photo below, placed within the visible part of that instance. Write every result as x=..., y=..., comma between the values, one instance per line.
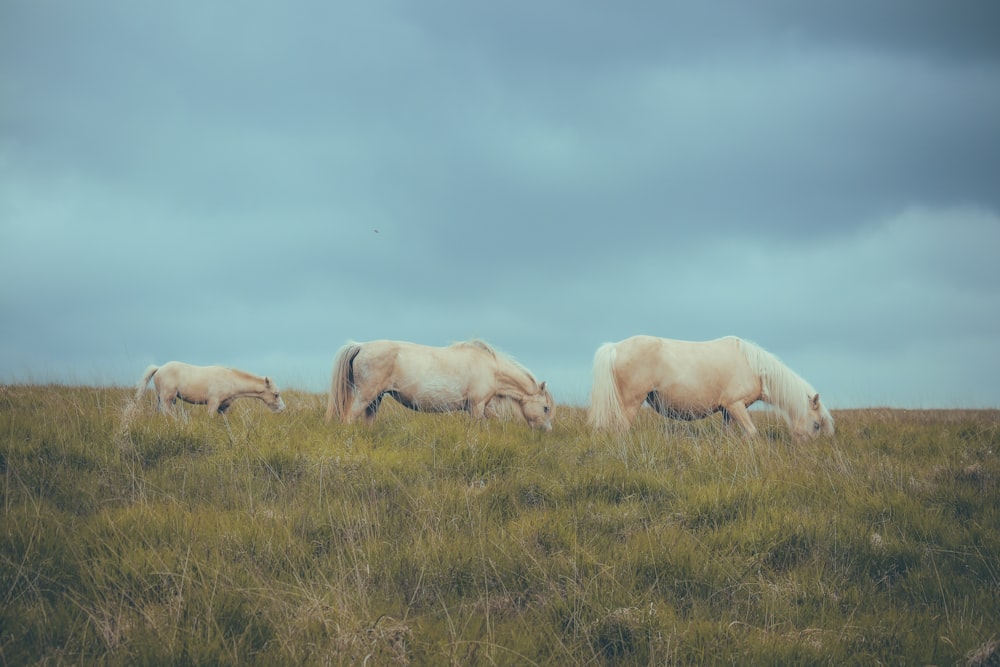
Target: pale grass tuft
x=985, y=655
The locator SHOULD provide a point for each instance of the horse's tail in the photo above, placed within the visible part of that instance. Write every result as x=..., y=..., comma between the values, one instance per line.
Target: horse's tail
x=605, y=402
x=140, y=386
x=342, y=382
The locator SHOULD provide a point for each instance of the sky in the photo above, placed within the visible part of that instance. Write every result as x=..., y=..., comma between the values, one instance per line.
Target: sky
x=253, y=184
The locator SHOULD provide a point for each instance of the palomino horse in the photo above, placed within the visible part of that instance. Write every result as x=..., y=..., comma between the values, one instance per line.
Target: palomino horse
x=465, y=376
x=214, y=386
x=691, y=380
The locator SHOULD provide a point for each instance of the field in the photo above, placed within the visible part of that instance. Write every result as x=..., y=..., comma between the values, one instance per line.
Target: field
x=129, y=538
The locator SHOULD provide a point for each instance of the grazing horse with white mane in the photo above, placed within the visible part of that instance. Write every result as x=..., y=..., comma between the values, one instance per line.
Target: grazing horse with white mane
x=214, y=386
x=464, y=376
x=691, y=380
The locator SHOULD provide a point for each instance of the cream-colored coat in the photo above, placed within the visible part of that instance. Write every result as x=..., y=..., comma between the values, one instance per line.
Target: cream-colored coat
x=464, y=376
x=214, y=386
x=691, y=380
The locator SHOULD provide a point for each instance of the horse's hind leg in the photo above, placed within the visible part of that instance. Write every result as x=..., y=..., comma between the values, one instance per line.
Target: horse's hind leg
x=164, y=400
x=362, y=407
x=630, y=409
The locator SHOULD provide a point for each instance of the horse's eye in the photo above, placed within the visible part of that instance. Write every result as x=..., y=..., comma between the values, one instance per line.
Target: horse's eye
x=546, y=409
x=817, y=426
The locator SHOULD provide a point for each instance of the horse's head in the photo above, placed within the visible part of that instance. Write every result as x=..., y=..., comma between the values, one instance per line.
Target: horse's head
x=271, y=396
x=538, y=408
x=815, y=421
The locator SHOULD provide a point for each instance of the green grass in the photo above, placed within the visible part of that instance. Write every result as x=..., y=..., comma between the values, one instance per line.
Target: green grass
x=130, y=538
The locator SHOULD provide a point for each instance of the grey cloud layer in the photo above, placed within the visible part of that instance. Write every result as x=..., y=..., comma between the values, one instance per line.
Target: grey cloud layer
x=194, y=181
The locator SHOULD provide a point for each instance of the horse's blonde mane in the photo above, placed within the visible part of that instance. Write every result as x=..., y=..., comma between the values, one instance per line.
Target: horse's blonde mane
x=780, y=385
x=245, y=374
x=478, y=344
x=496, y=354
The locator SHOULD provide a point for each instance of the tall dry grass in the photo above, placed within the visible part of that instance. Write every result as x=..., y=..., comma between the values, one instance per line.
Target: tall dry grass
x=132, y=538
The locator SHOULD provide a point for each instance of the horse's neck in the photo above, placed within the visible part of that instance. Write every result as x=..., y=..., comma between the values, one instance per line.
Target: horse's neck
x=785, y=390
x=513, y=381
x=248, y=383
x=780, y=385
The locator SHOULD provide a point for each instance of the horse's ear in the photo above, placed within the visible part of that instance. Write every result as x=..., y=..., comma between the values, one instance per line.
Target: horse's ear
x=541, y=387
x=267, y=381
x=815, y=402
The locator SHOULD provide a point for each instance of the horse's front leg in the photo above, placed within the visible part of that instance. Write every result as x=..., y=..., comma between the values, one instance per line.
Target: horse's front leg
x=477, y=408
x=738, y=412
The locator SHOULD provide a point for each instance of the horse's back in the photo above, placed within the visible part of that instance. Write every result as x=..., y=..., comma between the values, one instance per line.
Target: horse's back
x=687, y=372
x=419, y=376
x=404, y=356
x=183, y=369
x=457, y=370
x=202, y=378
x=683, y=354
x=172, y=372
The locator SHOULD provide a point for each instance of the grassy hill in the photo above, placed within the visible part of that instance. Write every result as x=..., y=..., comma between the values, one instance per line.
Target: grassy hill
x=133, y=538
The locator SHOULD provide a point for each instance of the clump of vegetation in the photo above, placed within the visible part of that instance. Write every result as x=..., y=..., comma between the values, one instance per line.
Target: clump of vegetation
x=132, y=538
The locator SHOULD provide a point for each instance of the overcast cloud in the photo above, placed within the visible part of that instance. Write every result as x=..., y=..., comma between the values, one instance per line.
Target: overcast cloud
x=255, y=183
